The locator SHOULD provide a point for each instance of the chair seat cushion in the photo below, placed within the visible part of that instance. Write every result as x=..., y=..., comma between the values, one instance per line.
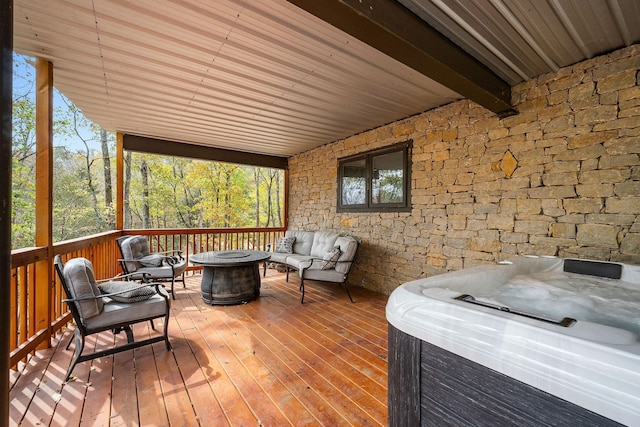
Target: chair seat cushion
x=130, y=291
x=165, y=272
x=115, y=312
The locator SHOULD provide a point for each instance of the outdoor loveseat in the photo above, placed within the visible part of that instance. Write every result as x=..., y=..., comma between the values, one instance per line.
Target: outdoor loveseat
x=317, y=255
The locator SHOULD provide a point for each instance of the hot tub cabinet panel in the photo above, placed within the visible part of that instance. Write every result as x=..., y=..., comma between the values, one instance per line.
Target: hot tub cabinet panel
x=470, y=362
x=429, y=386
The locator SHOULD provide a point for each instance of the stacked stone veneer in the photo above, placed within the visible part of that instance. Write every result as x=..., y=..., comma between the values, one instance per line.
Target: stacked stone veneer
x=575, y=189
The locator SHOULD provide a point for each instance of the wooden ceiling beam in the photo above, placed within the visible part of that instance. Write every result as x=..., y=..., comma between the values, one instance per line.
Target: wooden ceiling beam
x=391, y=28
x=171, y=148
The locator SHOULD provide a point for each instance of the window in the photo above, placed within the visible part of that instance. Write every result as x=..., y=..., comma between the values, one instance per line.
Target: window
x=375, y=181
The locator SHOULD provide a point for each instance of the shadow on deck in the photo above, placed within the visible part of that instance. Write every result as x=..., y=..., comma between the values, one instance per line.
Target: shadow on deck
x=271, y=362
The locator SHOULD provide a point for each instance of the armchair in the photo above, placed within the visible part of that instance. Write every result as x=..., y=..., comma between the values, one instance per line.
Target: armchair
x=97, y=308
x=138, y=261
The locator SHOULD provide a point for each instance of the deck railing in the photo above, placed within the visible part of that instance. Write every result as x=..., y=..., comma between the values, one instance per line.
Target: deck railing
x=37, y=310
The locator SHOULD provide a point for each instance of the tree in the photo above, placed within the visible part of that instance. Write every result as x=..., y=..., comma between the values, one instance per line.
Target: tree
x=108, y=188
x=175, y=192
x=127, y=188
x=159, y=192
x=78, y=208
x=146, y=210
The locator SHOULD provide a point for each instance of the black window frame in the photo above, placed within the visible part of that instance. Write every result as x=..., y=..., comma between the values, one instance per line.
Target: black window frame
x=404, y=206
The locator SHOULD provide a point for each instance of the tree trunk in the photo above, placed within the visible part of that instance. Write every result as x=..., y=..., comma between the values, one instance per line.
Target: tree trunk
x=270, y=220
x=144, y=171
x=279, y=211
x=256, y=177
x=227, y=201
x=127, y=187
x=92, y=188
x=108, y=189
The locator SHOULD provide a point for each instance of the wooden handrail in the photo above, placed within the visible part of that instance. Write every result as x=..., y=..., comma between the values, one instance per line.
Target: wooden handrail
x=101, y=249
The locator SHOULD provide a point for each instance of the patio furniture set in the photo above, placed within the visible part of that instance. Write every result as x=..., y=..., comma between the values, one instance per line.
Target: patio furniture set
x=229, y=277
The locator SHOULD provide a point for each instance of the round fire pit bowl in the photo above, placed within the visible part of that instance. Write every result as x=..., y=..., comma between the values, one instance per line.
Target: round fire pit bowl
x=230, y=277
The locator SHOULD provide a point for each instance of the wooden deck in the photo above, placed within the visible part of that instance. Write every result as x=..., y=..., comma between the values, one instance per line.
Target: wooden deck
x=271, y=362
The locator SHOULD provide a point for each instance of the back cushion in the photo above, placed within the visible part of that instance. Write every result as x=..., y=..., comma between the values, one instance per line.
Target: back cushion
x=135, y=247
x=323, y=242
x=78, y=273
x=303, y=243
x=348, y=246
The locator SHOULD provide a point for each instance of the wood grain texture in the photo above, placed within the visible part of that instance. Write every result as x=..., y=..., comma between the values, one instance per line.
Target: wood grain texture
x=271, y=362
x=453, y=391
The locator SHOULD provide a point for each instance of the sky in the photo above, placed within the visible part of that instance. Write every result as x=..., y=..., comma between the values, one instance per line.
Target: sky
x=24, y=83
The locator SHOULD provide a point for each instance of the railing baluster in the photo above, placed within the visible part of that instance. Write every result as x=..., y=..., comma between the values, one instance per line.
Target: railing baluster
x=101, y=249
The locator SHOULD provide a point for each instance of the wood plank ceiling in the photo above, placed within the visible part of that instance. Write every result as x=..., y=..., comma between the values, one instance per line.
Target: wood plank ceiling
x=268, y=77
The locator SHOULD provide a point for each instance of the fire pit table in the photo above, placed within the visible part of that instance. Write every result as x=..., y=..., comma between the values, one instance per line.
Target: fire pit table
x=230, y=277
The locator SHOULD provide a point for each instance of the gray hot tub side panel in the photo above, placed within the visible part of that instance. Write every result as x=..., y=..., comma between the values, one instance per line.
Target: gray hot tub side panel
x=430, y=386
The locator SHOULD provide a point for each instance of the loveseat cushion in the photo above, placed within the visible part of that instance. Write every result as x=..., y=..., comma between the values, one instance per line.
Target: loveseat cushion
x=284, y=245
x=315, y=273
x=300, y=262
x=348, y=246
x=279, y=257
x=304, y=241
x=323, y=242
x=330, y=259
x=78, y=275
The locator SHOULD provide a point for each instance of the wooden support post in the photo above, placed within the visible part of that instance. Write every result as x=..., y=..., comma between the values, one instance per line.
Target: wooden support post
x=44, y=194
x=286, y=199
x=119, y=181
x=6, y=82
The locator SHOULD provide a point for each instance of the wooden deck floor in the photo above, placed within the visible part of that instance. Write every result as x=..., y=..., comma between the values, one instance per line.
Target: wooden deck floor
x=271, y=362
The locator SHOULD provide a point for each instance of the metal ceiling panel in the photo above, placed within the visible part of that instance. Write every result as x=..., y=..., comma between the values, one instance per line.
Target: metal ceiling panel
x=521, y=39
x=262, y=77
x=267, y=77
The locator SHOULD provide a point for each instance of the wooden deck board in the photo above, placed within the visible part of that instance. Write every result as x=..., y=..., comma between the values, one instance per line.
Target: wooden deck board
x=270, y=362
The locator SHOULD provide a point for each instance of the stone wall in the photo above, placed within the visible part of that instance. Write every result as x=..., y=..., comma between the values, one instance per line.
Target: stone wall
x=560, y=178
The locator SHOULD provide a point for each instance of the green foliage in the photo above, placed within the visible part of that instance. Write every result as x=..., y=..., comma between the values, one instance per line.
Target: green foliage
x=186, y=193
x=389, y=188
x=177, y=192
x=74, y=207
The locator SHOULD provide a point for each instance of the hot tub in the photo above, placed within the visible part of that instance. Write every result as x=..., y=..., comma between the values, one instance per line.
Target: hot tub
x=530, y=341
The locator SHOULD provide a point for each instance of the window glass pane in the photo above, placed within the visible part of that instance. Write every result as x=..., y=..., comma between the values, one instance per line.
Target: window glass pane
x=387, y=180
x=354, y=183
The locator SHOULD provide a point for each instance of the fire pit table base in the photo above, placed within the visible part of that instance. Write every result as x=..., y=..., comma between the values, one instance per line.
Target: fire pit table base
x=230, y=277
x=230, y=285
